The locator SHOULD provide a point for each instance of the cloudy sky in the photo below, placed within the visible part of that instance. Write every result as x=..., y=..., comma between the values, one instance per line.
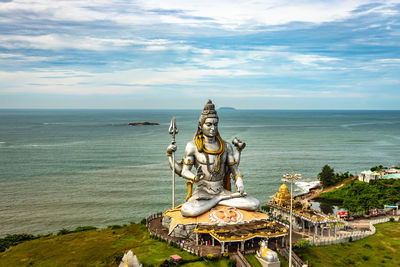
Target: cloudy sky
x=259, y=54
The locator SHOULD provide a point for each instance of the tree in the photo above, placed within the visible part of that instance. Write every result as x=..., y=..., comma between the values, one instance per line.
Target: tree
x=327, y=176
x=376, y=168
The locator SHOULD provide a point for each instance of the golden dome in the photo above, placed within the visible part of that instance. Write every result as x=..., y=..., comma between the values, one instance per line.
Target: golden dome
x=284, y=189
x=282, y=197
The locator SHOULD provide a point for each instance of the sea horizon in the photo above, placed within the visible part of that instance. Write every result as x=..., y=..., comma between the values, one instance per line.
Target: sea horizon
x=217, y=108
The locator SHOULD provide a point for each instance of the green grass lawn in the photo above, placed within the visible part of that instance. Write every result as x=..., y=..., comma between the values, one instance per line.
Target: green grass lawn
x=223, y=262
x=91, y=248
x=252, y=260
x=381, y=249
x=105, y=248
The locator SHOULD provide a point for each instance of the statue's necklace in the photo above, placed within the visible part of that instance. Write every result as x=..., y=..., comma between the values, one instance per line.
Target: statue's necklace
x=219, y=152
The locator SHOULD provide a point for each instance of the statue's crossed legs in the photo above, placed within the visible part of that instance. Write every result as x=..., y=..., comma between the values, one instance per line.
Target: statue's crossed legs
x=202, y=202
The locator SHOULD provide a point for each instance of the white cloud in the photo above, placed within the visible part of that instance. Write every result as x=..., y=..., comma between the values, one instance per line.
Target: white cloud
x=64, y=41
x=237, y=14
x=389, y=60
x=117, y=82
x=223, y=13
x=289, y=93
x=311, y=60
x=21, y=57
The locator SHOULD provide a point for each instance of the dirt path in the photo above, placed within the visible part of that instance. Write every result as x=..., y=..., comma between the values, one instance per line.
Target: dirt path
x=319, y=192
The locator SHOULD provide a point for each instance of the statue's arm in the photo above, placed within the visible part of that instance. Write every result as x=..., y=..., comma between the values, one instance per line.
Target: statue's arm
x=178, y=166
x=239, y=145
x=188, y=161
x=233, y=167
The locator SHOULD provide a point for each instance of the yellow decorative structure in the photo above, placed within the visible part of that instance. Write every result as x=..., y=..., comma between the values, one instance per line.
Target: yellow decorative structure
x=207, y=218
x=282, y=197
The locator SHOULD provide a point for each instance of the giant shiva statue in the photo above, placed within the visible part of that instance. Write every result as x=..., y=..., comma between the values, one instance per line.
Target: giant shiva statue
x=215, y=162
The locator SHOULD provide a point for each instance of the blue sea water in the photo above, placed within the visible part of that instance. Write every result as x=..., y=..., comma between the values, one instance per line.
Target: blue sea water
x=69, y=168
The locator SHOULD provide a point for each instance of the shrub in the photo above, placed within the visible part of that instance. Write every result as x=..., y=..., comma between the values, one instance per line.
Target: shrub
x=12, y=240
x=210, y=257
x=143, y=221
x=266, y=208
x=302, y=243
x=391, y=219
x=114, y=227
x=84, y=228
x=365, y=257
x=350, y=239
x=45, y=235
x=118, y=257
x=367, y=245
x=231, y=263
x=64, y=231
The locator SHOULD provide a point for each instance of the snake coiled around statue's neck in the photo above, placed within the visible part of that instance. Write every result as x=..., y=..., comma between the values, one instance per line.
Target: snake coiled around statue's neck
x=199, y=139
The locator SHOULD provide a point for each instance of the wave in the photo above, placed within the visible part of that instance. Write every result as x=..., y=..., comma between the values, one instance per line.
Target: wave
x=51, y=145
x=306, y=186
x=269, y=126
x=392, y=136
x=365, y=123
x=53, y=123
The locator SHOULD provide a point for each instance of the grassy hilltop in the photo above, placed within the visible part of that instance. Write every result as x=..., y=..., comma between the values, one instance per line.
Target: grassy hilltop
x=380, y=249
x=358, y=196
x=106, y=247
x=91, y=248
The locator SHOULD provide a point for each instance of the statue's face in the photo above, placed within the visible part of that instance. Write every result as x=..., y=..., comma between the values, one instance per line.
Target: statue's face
x=210, y=127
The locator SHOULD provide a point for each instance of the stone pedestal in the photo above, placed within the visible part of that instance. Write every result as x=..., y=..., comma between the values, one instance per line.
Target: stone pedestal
x=185, y=231
x=183, y=227
x=265, y=263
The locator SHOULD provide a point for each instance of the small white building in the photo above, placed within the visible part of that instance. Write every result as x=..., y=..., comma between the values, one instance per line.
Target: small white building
x=366, y=176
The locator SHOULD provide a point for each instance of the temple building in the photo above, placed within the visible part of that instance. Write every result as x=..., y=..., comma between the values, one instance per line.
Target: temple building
x=282, y=197
x=229, y=228
x=304, y=218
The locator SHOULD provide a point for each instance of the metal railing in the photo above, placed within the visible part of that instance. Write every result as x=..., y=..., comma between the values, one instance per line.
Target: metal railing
x=345, y=237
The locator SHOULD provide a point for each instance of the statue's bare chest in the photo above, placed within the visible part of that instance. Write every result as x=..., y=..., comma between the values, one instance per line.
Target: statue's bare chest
x=209, y=159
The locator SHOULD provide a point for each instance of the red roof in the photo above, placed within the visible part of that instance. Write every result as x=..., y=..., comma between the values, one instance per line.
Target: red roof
x=175, y=257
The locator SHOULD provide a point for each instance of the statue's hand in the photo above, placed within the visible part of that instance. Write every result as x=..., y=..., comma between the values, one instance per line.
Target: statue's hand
x=238, y=144
x=200, y=174
x=171, y=149
x=239, y=185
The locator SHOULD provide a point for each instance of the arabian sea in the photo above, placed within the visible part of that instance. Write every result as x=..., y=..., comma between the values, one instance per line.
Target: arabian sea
x=69, y=168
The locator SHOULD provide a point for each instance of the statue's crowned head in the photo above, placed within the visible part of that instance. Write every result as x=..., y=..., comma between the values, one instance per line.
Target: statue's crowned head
x=208, y=112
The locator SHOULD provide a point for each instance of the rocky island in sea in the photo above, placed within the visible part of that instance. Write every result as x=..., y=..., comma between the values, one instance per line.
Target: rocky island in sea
x=142, y=123
x=226, y=108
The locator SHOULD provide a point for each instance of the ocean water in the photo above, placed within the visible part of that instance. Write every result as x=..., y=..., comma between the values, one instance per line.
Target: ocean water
x=69, y=168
